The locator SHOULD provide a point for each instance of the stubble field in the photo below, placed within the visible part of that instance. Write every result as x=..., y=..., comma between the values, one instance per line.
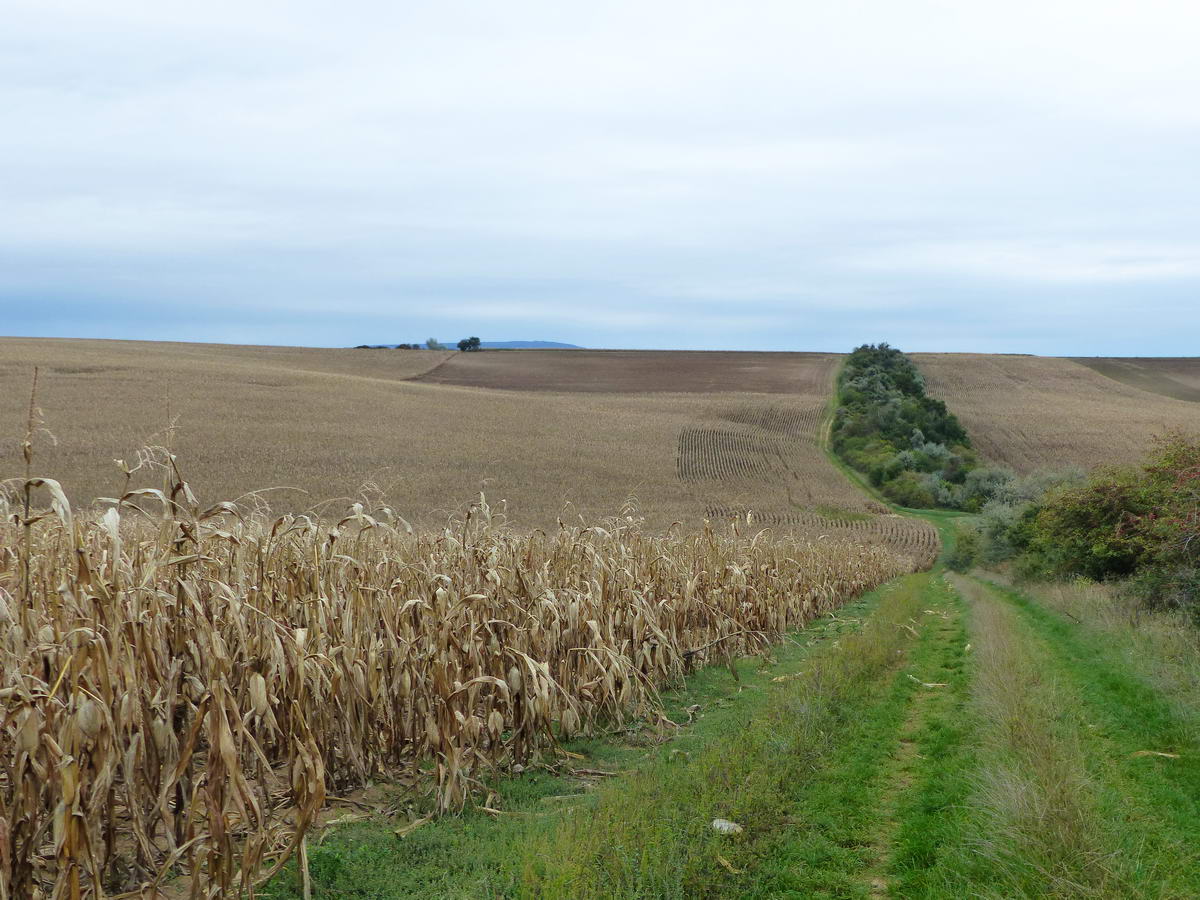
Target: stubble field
x=1033, y=412
x=714, y=436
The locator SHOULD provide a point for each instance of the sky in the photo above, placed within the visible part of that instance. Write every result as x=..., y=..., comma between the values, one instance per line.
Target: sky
x=980, y=176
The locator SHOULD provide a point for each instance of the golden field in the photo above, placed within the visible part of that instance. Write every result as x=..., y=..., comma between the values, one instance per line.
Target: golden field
x=1033, y=412
x=683, y=436
x=192, y=668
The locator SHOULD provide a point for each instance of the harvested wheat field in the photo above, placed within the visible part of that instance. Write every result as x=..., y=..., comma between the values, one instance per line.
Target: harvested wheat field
x=315, y=429
x=1032, y=412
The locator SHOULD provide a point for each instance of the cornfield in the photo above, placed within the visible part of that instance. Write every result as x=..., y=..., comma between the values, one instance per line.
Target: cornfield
x=914, y=538
x=763, y=463
x=183, y=687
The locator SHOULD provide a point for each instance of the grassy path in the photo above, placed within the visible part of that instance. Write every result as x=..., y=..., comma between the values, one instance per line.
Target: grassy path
x=801, y=779
x=1033, y=826
x=965, y=742
x=851, y=814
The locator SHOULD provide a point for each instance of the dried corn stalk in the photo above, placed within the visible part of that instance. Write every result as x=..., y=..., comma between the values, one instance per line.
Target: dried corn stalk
x=181, y=686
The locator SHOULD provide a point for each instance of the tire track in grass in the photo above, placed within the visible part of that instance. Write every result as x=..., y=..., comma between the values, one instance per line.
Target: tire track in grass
x=798, y=777
x=929, y=786
x=1033, y=825
x=1027, y=779
x=847, y=816
x=929, y=671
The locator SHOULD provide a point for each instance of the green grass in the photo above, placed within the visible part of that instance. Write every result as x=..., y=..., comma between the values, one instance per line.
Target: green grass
x=932, y=815
x=1154, y=800
x=1032, y=823
x=797, y=775
x=878, y=788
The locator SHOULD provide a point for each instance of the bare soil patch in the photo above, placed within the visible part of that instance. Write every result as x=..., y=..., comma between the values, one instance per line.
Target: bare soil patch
x=1177, y=377
x=636, y=371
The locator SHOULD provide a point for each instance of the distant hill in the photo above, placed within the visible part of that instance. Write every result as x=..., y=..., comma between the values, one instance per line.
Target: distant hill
x=528, y=345
x=485, y=345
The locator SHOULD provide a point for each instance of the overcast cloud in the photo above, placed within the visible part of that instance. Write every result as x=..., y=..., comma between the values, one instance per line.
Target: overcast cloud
x=1007, y=176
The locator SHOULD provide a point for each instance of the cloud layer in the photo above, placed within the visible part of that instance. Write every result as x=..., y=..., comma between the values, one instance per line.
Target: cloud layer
x=1015, y=176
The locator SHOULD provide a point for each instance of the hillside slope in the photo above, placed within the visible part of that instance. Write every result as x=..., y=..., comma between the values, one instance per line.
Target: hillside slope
x=1172, y=377
x=1031, y=412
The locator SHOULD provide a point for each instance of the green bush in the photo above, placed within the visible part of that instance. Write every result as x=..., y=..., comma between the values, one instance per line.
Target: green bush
x=967, y=550
x=908, y=489
x=1139, y=523
x=1167, y=587
x=1090, y=530
x=886, y=427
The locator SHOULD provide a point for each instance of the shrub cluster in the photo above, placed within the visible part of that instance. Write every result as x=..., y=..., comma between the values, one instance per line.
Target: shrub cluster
x=998, y=534
x=1140, y=523
x=907, y=443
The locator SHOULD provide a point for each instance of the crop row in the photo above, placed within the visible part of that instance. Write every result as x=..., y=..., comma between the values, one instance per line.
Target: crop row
x=914, y=537
x=794, y=421
x=717, y=454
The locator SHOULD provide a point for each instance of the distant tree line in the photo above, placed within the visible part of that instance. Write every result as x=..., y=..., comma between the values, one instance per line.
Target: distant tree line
x=469, y=344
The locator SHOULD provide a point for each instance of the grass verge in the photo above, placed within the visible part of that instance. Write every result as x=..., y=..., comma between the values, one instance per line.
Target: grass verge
x=1143, y=757
x=797, y=776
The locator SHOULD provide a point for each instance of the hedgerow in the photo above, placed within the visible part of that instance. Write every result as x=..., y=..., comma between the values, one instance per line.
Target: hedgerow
x=908, y=444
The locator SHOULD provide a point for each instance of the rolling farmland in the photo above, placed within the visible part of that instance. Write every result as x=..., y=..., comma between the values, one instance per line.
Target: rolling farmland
x=190, y=679
x=1031, y=412
x=189, y=683
x=714, y=436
